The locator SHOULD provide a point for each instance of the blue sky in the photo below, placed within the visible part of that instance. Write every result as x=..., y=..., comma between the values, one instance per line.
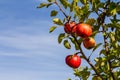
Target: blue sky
x=27, y=50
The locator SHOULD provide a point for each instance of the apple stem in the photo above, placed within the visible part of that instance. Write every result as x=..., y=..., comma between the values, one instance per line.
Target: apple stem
x=77, y=53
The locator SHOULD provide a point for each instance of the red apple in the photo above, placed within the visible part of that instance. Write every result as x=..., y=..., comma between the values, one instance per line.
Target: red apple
x=83, y=30
x=70, y=27
x=73, y=61
x=89, y=43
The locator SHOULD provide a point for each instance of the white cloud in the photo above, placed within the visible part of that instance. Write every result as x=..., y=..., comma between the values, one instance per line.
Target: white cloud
x=33, y=75
x=29, y=43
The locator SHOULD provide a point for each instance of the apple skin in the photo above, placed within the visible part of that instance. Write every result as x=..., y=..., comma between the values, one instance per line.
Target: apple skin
x=73, y=61
x=83, y=30
x=70, y=27
x=89, y=43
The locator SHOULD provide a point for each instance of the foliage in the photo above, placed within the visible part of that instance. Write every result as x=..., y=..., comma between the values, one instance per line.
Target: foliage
x=106, y=22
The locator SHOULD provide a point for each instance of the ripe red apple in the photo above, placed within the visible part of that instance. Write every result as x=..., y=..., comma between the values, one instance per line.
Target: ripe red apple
x=73, y=61
x=70, y=27
x=89, y=43
x=83, y=30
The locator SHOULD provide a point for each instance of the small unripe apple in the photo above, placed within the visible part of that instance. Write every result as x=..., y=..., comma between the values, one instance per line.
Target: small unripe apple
x=89, y=43
x=70, y=27
x=73, y=61
x=83, y=30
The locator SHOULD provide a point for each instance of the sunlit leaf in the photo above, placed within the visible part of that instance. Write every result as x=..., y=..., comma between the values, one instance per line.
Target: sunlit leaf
x=57, y=21
x=51, y=0
x=53, y=13
x=44, y=5
x=61, y=37
x=96, y=78
x=65, y=3
x=52, y=28
x=67, y=44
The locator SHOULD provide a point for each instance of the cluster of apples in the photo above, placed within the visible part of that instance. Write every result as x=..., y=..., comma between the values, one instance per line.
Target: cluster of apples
x=84, y=31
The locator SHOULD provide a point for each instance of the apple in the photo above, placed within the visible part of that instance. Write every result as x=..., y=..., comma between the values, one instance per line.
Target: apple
x=83, y=30
x=73, y=61
x=89, y=43
x=70, y=27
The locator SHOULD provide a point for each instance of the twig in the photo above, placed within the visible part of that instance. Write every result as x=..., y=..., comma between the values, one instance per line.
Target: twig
x=105, y=40
x=61, y=10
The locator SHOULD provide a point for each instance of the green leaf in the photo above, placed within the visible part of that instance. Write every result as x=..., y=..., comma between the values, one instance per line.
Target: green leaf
x=94, y=33
x=65, y=3
x=44, y=5
x=69, y=79
x=96, y=78
x=73, y=5
x=61, y=37
x=114, y=11
x=82, y=12
x=90, y=21
x=112, y=36
x=84, y=73
x=118, y=9
x=57, y=21
x=84, y=1
x=48, y=5
x=102, y=52
x=95, y=4
x=75, y=43
x=67, y=44
x=113, y=8
x=52, y=29
x=53, y=13
x=51, y=0
x=96, y=47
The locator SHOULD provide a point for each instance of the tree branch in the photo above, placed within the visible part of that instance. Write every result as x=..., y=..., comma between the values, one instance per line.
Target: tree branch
x=107, y=53
x=105, y=39
x=81, y=51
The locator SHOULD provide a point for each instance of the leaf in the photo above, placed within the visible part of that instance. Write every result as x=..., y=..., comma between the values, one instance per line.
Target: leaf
x=73, y=5
x=44, y=5
x=102, y=51
x=112, y=36
x=118, y=9
x=67, y=44
x=83, y=1
x=57, y=21
x=84, y=73
x=113, y=8
x=96, y=47
x=53, y=13
x=82, y=12
x=69, y=79
x=65, y=3
x=51, y=0
x=114, y=11
x=90, y=21
x=61, y=37
x=96, y=78
x=48, y=5
x=52, y=29
x=75, y=43
x=94, y=33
